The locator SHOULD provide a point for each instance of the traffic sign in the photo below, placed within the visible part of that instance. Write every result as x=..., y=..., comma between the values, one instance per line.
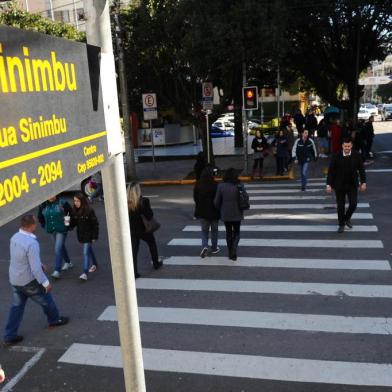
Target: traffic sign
x=208, y=96
x=52, y=126
x=150, y=109
x=375, y=80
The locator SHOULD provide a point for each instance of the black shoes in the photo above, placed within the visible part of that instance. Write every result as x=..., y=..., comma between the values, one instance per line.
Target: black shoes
x=158, y=265
x=341, y=229
x=61, y=321
x=348, y=224
x=11, y=342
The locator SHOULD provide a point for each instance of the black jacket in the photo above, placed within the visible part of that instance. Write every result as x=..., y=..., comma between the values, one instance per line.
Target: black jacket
x=304, y=151
x=135, y=217
x=340, y=176
x=259, y=142
x=204, y=195
x=87, y=226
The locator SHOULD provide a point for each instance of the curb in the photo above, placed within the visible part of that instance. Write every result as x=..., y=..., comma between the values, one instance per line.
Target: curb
x=289, y=176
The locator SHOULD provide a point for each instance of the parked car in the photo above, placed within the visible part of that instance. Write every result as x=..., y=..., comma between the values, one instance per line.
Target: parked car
x=371, y=108
x=222, y=129
x=364, y=114
x=386, y=112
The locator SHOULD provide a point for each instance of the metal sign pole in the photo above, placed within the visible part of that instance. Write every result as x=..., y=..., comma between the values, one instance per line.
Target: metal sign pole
x=244, y=123
x=208, y=138
x=152, y=144
x=113, y=176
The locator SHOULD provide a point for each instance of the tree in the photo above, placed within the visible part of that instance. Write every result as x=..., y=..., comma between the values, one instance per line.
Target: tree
x=385, y=92
x=12, y=15
x=331, y=42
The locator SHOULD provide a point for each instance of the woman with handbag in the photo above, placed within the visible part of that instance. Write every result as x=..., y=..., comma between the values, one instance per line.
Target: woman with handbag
x=205, y=210
x=227, y=200
x=142, y=224
x=260, y=150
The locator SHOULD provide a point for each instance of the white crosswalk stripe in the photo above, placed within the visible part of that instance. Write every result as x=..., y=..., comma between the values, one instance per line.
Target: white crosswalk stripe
x=243, y=319
x=292, y=228
x=269, y=262
x=314, y=280
x=287, y=243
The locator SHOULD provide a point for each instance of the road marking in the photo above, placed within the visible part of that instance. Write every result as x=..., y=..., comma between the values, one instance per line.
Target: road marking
x=290, y=228
x=255, y=191
x=39, y=352
x=306, y=216
x=235, y=365
x=266, y=320
x=274, y=197
x=378, y=170
x=279, y=185
x=287, y=243
x=267, y=287
x=267, y=262
x=299, y=206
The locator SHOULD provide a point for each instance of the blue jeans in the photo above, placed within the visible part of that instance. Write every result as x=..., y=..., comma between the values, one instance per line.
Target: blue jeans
x=303, y=167
x=88, y=257
x=36, y=292
x=205, y=229
x=59, y=250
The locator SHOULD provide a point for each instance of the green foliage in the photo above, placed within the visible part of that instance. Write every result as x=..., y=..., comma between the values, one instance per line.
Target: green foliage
x=12, y=15
x=385, y=92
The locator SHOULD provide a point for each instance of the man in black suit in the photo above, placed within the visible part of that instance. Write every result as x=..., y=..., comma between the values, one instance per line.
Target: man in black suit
x=343, y=179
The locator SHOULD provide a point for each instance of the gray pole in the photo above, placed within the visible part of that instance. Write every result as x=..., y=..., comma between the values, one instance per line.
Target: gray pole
x=244, y=122
x=51, y=9
x=27, y=5
x=99, y=34
x=355, y=107
x=75, y=15
x=278, y=93
x=129, y=152
x=152, y=143
x=208, y=137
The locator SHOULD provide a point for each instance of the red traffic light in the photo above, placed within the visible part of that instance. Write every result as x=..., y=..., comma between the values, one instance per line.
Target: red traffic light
x=249, y=94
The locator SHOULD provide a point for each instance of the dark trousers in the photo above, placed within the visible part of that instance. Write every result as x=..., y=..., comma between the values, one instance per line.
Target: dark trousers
x=152, y=245
x=232, y=236
x=352, y=196
x=281, y=164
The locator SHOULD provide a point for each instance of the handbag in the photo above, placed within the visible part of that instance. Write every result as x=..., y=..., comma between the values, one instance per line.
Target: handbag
x=243, y=198
x=150, y=225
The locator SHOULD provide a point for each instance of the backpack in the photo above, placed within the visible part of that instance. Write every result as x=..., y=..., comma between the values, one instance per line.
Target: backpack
x=243, y=198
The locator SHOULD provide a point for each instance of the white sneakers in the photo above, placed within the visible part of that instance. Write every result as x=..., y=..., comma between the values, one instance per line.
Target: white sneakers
x=66, y=266
x=55, y=275
x=93, y=268
x=83, y=276
x=215, y=251
x=203, y=253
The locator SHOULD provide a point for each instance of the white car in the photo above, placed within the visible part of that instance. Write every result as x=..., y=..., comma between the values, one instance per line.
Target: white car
x=364, y=114
x=373, y=110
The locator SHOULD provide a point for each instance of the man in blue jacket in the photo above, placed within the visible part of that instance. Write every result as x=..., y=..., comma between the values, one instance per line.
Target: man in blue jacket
x=28, y=280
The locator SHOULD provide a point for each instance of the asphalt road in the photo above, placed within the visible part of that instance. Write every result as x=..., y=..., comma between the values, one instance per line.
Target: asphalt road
x=309, y=310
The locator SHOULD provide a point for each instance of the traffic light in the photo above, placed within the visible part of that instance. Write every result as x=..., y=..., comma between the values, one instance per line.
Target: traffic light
x=250, y=98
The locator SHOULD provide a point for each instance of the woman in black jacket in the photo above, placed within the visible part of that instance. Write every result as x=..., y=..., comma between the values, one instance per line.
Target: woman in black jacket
x=87, y=229
x=204, y=195
x=138, y=206
x=260, y=147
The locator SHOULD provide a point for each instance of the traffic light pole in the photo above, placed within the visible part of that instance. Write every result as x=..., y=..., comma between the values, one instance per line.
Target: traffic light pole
x=244, y=123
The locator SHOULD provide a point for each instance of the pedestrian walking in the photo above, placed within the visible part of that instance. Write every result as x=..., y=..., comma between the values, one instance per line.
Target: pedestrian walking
x=311, y=123
x=28, y=280
x=200, y=164
x=368, y=136
x=343, y=179
x=322, y=138
x=204, y=194
x=260, y=149
x=336, y=136
x=304, y=151
x=227, y=201
x=54, y=216
x=289, y=133
x=299, y=121
x=139, y=209
x=282, y=152
x=87, y=229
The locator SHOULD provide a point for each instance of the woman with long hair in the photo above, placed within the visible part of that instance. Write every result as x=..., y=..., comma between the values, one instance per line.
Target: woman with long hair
x=260, y=148
x=87, y=229
x=138, y=206
x=205, y=210
x=227, y=201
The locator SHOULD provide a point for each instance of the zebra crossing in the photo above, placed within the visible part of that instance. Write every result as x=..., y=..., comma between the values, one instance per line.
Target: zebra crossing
x=295, y=280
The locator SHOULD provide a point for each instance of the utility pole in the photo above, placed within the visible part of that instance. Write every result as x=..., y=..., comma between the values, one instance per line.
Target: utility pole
x=278, y=93
x=130, y=169
x=355, y=107
x=99, y=34
x=244, y=122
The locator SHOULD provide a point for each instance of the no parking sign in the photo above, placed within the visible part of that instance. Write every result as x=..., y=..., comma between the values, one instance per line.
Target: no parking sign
x=150, y=111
